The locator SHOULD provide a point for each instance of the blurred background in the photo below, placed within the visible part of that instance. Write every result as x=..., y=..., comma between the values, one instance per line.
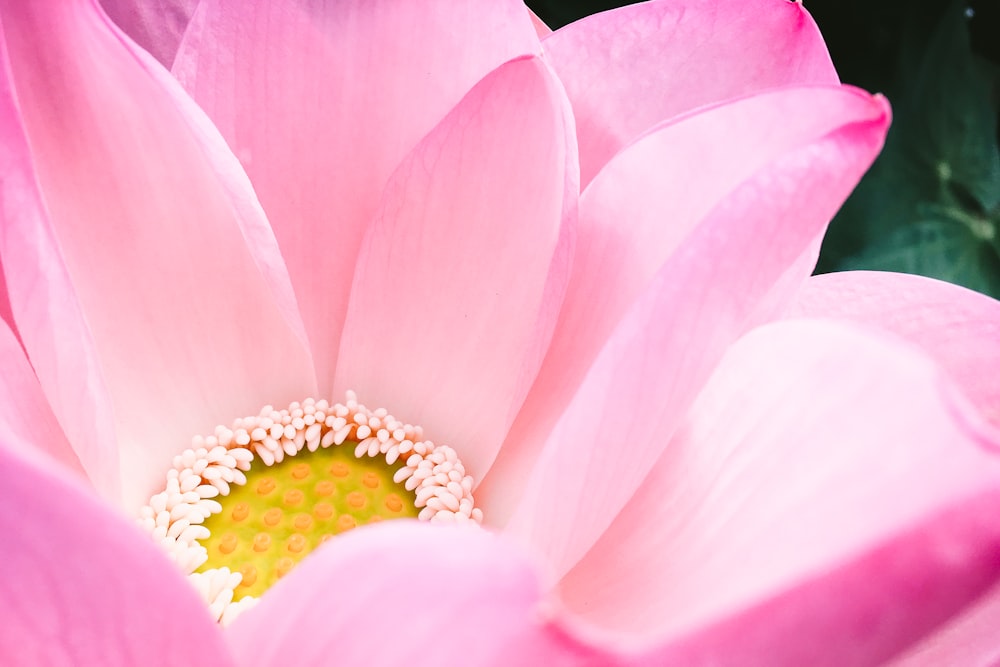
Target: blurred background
x=931, y=203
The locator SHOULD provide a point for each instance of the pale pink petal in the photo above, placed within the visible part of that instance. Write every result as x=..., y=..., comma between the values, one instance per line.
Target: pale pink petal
x=322, y=99
x=959, y=328
x=45, y=308
x=658, y=357
x=25, y=415
x=156, y=25
x=969, y=640
x=451, y=278
x=626, y=70
x=648, y=207
x=82, y=586
x=822, y=504
x=865, y=611
x=176, y=271
x=404, y=593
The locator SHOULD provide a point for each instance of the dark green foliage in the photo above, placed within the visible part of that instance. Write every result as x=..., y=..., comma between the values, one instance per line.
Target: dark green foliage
x=931, y=204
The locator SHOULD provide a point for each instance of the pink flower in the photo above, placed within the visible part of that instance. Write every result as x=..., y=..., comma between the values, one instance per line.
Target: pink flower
x=582, y=260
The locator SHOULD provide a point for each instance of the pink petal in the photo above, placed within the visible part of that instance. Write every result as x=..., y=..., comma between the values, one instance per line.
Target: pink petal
x=969, y=639
x=626, y=70
x=177, y=274
x=649, y=206
x=45, y=308
x=959, y=328
x=673, y=336
x=451, y=280
x=864, y=612
x=25, y=415
x=156, y=25
x=820, y=505
x=321, y=101
x=81, y=586
x=5, y=313
x=403, y=593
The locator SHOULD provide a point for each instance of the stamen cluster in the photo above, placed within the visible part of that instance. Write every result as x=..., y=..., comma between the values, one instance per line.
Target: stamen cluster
x=175, y=516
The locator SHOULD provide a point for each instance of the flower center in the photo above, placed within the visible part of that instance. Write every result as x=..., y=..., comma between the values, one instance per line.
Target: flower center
x=285, y=511
x=241, y=507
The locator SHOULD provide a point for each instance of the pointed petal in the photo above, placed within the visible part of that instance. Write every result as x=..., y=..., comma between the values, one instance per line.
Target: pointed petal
x=451, y=278
x=648, y=207
x=822, y=504
x=959, y=328
x=627, y=69
x=25, y=415
x=321, y=101
x=43, y=302
x=175, y=268
x=969, y=639
x=474, y=601
x=667, y=344
x=156, y=25
x=81, y=586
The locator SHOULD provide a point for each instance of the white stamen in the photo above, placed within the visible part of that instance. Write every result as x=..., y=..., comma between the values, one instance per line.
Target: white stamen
x=392, y=454
x=442, y=490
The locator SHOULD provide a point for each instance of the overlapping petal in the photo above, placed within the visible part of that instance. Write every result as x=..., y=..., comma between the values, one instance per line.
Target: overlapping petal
x=158, y=25
x=82, y=586
x=445, y=596
x=820, y=505
x=666, y=346
x=26, y=416
x=44, y=308
x=647, y=204
x=321, y=100
x=959, y=328
x=451, y=275
x=627, y=69
x=421, y=175
x=146, y=213
x=969, y=639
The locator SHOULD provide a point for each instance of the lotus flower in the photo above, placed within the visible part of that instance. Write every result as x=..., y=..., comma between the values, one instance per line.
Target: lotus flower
x=579, y=258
